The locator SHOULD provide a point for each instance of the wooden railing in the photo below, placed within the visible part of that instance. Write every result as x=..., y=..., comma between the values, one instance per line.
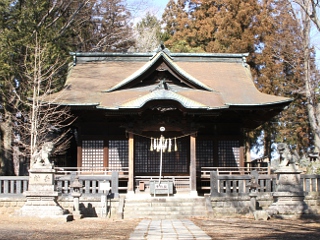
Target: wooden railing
x=205, y=171
x=123, y=171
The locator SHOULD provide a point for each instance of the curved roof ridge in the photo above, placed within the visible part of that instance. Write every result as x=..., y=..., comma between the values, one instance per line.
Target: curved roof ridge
x=152, y=61
x=162, y=94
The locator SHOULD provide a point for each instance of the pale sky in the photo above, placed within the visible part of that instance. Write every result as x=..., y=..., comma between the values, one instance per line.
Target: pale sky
x=141, y=7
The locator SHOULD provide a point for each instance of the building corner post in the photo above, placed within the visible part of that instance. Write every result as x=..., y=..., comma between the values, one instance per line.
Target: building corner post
x=193, y=170
x=131, y=165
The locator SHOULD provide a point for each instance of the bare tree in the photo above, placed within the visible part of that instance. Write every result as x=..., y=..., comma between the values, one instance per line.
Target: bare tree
x=308, y=14
x=147, y=33
x=311, y=9
x=43, y=120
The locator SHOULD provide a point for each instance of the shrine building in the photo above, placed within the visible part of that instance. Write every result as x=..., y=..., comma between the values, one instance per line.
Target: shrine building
x=162, y=114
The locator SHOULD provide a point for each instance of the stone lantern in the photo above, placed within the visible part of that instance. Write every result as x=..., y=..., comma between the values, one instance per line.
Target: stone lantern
x=76, y=187
x=253, y=193
x=253, y=186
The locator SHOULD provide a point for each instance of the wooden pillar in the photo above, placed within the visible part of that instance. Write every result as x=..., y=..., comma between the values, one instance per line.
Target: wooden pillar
x=79, y=155
x=105, y=154
x=79, y=148
x=193, y=170
x=131, y=165
x=241, y=159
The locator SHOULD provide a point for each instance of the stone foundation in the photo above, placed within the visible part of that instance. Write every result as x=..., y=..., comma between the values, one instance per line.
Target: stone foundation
x=235, y=206
x=10, y=206
x=89, y=208
x=221, y=206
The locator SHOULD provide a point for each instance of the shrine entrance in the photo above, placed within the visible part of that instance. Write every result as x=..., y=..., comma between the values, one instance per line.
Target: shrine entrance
x=175, y=161
x=172, y=165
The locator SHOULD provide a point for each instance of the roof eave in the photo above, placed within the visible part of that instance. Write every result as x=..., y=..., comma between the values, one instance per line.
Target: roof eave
x=151, y=54
x=280, y=102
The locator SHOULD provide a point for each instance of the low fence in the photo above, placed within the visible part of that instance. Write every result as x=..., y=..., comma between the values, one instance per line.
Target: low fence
x=217, y=184
x=239, y=184
x=91, y=184
x=222, y=185
x=14, y=186
x=310, y=182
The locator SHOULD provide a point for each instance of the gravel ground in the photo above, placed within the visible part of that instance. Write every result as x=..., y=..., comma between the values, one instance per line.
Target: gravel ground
x=247, y=229
x=15, y=228
x=99, y=228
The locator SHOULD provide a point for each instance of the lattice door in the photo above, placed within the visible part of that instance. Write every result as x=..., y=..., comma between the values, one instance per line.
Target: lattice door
x=92, y=155
x=118, y=155
x=147, y=161
x=229, y=153
x=204, y=153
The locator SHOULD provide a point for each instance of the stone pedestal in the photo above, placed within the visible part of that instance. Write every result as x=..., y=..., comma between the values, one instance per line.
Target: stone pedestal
x=253, y=201
x=258, y=214
x=288, y=200
x=76, y=187
x=76, y=210
x=41, y=196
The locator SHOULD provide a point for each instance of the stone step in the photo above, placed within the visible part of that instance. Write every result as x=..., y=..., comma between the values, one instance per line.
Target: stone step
x=172, y=204
x=157, y=211
x=141, y=206
x=165, y=199
x=162, y=216
x=164, y=208
x=181, y=202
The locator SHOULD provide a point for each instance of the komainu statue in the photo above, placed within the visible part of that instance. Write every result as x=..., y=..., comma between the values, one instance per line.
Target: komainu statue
x=286, y=157
x=41, y=158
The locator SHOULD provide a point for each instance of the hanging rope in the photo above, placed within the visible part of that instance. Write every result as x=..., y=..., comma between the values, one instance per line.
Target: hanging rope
x=161, y=145
x=182, y=136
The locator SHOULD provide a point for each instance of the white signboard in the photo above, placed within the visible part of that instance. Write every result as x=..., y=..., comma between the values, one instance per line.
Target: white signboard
x=161, y=186
x=104, y=186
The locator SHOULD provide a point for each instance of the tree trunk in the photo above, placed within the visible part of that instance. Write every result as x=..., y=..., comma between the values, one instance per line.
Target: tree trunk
x=312, y=104
x=267, y=142
x=16, y=160
x=6, y=160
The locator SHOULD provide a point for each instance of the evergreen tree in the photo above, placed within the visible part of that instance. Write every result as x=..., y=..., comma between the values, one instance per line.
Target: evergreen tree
x=278, y=71
x=212, y=26
x=178, y=26
x=268, y=30
x=108, y=28
x=62, y=26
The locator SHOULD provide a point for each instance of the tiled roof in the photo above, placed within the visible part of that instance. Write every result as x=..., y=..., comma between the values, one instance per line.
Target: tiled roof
x=103, y=80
